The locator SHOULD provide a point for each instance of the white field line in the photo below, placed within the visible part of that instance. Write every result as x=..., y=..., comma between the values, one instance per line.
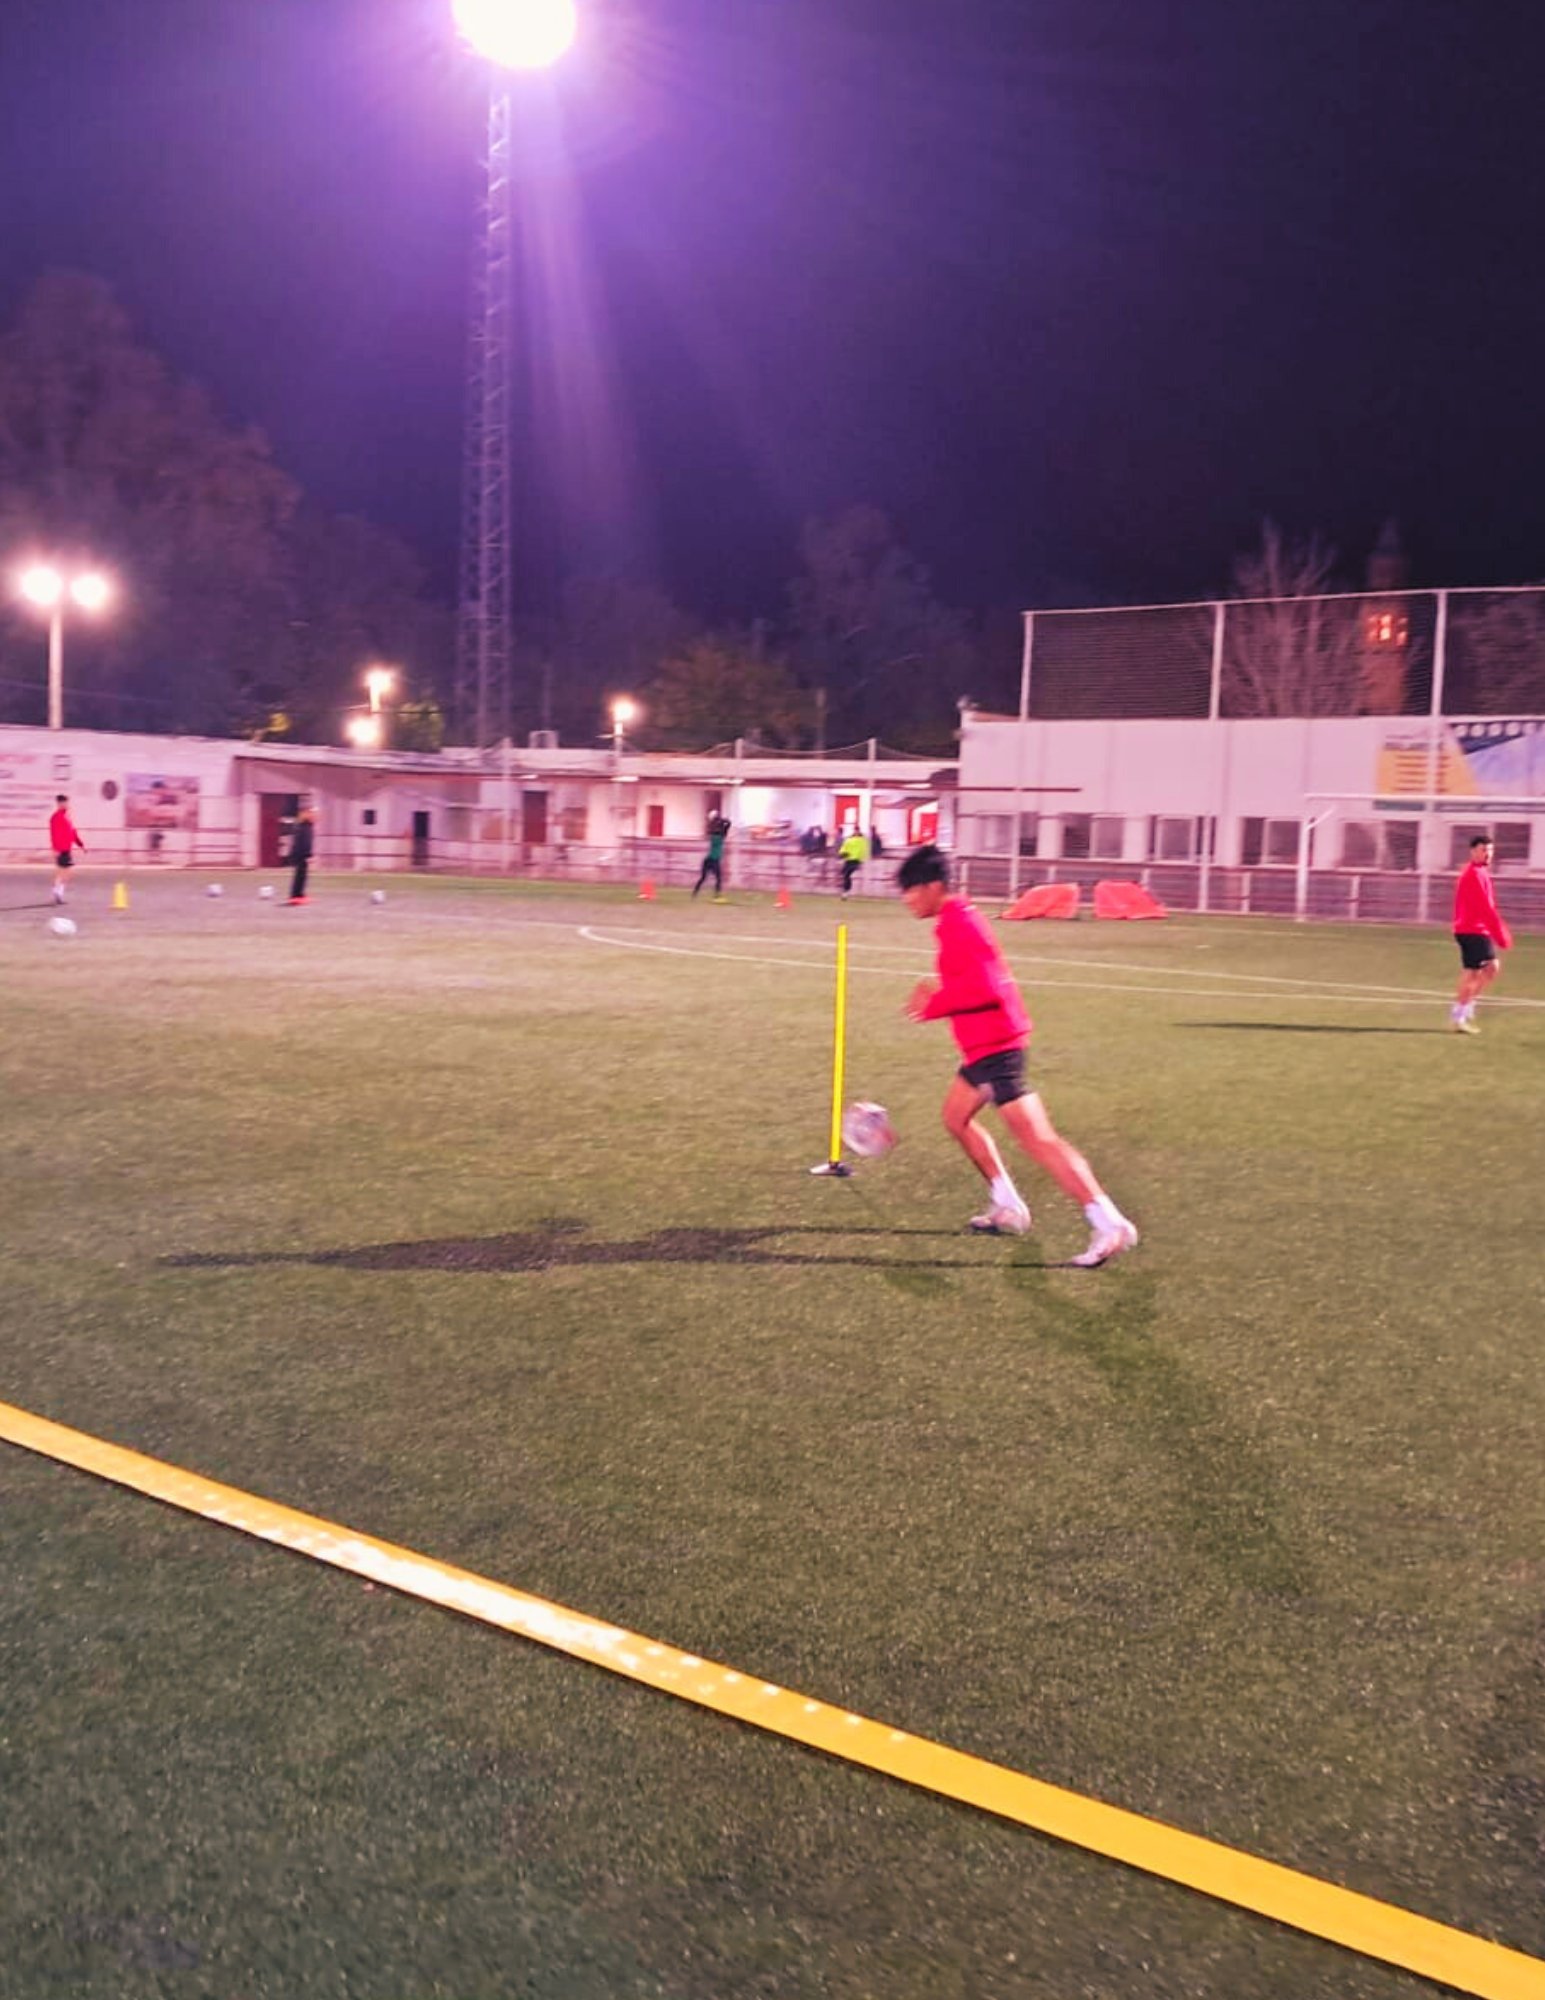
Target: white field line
x=634, y=937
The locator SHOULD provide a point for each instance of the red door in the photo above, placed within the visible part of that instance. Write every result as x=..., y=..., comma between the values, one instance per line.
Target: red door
x=846, y=806
x=275, y=811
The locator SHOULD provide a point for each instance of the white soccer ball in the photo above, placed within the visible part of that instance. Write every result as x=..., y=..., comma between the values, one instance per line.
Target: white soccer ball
x=62, y=926
x=214, y=889
x=266, y=893
x=378, y=895
x=867, y=1131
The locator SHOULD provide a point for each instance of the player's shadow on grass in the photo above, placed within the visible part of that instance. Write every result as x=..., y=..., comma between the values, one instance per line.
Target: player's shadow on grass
x=561, y=1244
x=1309, y=1028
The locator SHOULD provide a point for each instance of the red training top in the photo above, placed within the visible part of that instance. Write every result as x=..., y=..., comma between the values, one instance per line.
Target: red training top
x=1475, y=908
x=977, y=994
x=61, y=833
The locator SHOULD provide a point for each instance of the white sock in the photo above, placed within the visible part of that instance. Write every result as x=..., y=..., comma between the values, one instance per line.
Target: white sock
x=1468, y=1010
x=1103, y=1214
x=1004, y=1193
x=1457, y=1011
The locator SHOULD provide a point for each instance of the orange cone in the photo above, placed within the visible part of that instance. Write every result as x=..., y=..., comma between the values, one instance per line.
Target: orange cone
x=646, y=891
x=785, y=900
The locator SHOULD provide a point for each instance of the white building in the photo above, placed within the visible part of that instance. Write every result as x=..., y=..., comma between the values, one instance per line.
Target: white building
x=1356, y=816
x=167, y=801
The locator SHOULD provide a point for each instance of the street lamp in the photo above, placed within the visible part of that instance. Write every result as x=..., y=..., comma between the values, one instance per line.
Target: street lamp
x=508, y=36
x=379, y=682
x=364, y=731
x=624, y=710
x=49, y=589
x=517, y=34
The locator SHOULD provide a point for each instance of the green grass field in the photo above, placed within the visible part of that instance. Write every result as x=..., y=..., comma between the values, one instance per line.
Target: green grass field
x=467, y=1222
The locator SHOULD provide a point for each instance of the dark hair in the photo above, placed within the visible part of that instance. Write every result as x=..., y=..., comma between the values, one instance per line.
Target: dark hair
x=923, y=865
x=61, y=799
x=1481, y=840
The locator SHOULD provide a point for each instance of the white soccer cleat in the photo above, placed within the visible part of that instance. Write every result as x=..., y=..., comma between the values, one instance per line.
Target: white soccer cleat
x=1000, y=1220
x=1464, y=1026
x=1107, y=1243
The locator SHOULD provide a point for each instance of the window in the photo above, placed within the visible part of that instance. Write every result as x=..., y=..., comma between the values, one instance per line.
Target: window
x=1400, y=840
x=655, y=822
x=1029, y=835
x=1076, y=829
x=1109, y=837
x=370, y=815
x=1359, y=845
x=997, y=832
x=1272, y=843
x=1511, y=838
x=1172, y=840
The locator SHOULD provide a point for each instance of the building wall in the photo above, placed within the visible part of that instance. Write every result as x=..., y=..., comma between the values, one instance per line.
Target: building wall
x=1235, y=773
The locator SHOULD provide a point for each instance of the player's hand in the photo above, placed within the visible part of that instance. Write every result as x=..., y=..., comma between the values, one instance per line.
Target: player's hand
x=916, y=1008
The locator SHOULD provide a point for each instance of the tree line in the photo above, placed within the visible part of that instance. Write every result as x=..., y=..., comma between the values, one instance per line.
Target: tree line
x=248, y=610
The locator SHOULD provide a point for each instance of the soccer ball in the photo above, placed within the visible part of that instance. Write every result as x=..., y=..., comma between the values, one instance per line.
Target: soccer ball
x=266, y=893
x=867, y=1131
x=62, y=926
x=214, y=889
x=378, y=895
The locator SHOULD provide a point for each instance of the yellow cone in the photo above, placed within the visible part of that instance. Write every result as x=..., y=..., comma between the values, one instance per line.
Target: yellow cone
x=120, y=895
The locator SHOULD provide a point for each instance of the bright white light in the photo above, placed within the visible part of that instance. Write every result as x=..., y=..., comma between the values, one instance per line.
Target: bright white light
x=91, y=591
x=379, y=682
x=624, y=709
x=41, y=586
x=517, y=34
x=364, y=731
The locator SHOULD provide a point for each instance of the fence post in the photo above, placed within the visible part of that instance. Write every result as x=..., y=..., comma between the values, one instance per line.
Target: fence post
x=1020, y=733
x=1434, y=754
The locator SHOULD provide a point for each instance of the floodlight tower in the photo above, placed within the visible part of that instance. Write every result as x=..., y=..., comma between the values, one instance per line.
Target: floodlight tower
x=510, y=35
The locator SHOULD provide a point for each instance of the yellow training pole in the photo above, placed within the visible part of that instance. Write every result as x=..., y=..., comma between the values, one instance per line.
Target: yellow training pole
x=834, y=1163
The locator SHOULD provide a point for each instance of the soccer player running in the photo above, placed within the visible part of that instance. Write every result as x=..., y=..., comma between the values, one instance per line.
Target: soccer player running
x=1480, y=934
x=976, y=994
x=63, y=840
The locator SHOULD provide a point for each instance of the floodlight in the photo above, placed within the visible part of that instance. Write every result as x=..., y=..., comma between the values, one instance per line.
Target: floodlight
x=517, y=34
x=379, y=682
x=364, y=731
x=41, y=585
x=624, y=708
x=91, y=591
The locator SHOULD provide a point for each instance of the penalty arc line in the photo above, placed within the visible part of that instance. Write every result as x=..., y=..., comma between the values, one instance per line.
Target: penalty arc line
x=1359, y=1923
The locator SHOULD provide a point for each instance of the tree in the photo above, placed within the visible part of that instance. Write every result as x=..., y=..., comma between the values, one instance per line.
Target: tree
x=1295, y=650
x=102, y=451
x=1496, y=657
x=869, y=634
x=238, y=607
x=716, y=689
x=355, y=595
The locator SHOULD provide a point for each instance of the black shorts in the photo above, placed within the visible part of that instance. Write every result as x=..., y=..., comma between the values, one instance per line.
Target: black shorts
x=65, y=860
x=1003, y=1074
x=1475, y=949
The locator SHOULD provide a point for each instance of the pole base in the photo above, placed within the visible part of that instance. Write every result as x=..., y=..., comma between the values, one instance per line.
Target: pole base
x=837, y=1170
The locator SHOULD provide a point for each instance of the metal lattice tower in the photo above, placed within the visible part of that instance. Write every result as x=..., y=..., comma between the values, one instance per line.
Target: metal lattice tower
x=484, y=640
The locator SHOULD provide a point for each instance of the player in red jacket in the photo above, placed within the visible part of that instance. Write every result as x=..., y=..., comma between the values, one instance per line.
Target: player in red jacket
x=976, y=994
x=1480, y=934
x=63, y=839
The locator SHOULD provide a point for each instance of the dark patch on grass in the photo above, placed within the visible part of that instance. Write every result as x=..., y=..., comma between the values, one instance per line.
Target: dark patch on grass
x=1507, y=1798
x=143, y=1941
x=1230, y=1499
x=557, y=1246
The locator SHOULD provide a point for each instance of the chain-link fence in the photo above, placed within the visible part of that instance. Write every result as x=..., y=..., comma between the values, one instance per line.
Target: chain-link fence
x=1449, y=652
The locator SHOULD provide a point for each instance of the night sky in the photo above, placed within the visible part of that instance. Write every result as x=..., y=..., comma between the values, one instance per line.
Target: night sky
x=1077, y=290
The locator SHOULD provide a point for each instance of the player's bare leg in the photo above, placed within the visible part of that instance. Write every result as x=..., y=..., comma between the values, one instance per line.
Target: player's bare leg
x=1027, y=1118
x=1471, y=986
x=1007, y=1210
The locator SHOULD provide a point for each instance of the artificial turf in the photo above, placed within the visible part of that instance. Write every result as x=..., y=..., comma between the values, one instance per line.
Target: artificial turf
x=450, y=1222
